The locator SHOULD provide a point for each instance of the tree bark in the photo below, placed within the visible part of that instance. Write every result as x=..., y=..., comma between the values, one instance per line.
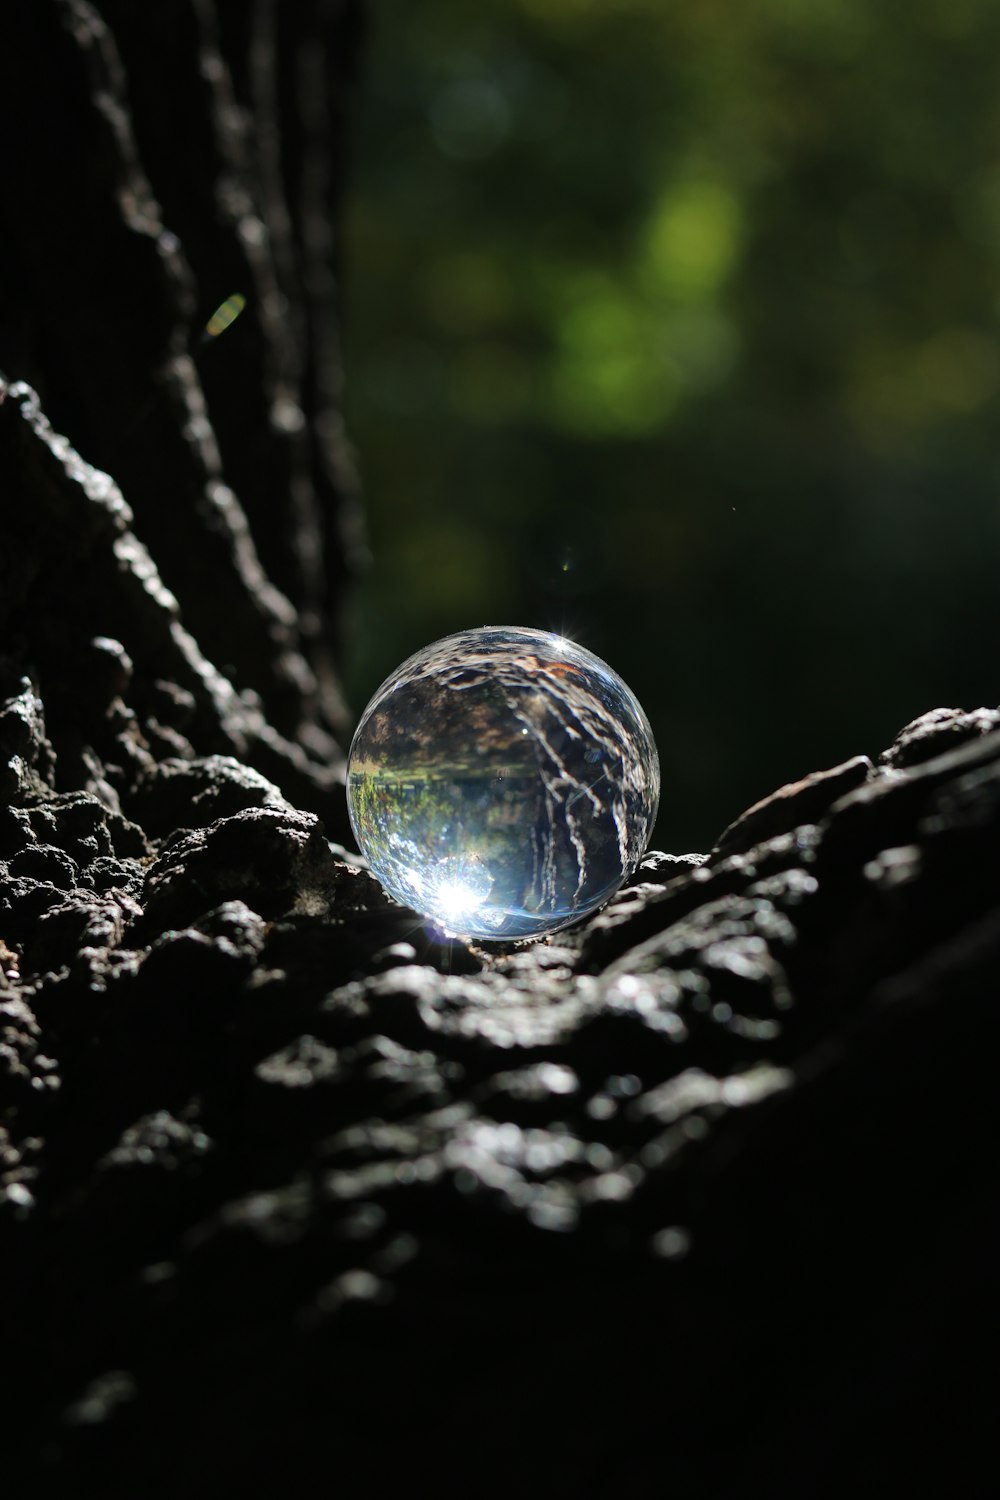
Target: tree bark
x=696, y=1195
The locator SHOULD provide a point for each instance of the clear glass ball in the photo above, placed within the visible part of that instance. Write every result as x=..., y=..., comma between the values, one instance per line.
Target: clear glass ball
x=503, y=783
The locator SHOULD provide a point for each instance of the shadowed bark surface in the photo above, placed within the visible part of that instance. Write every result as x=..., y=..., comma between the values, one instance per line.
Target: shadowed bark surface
x=696, y=1196
x=148, y=184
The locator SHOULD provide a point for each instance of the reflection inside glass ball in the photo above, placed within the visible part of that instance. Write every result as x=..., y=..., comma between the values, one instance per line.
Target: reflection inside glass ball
x=503, y=782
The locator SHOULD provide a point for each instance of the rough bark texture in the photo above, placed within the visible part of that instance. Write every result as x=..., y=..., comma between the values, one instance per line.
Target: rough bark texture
x=696, y=1197
x=166, y=157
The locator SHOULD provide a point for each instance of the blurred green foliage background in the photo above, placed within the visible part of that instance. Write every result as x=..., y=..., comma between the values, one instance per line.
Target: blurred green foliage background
x=674, y=327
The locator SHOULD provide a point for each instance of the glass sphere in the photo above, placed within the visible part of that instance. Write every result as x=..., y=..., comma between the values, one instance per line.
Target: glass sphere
x=503, y=783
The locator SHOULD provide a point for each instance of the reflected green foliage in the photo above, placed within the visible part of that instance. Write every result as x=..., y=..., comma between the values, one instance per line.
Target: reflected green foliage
x=674, y=327
x=502, y=783
x=460, y=824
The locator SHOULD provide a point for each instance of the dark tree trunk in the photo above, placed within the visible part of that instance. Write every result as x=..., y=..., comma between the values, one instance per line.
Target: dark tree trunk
x=695, y=1198
x=164, y=157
